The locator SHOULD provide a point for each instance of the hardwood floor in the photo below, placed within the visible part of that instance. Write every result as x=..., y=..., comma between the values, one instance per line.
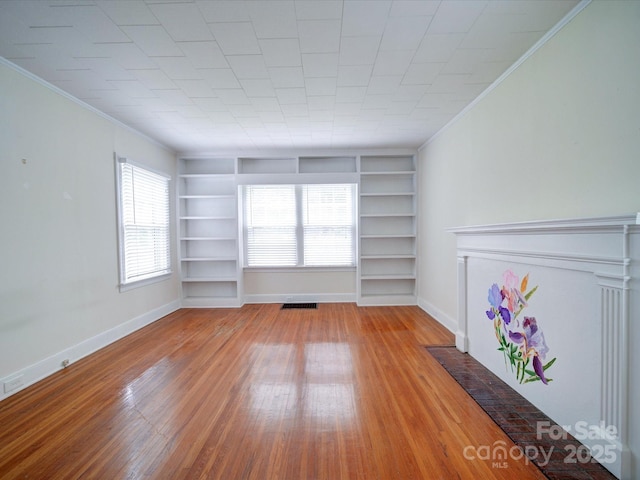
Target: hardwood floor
x=341, y=392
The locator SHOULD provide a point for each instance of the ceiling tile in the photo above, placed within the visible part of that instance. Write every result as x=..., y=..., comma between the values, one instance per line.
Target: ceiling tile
x=153, y=40
x=204, y=54
x=220, y=11
x=384, y=84
x=364, y=18
x=233, y=96
x=438, y=47
x=287, y=96
x=320, y=64
x=313, y=10
x=448, y=83
x=456, y=16
x=265, y=104
x=126, y=55
x=248, y=66
x=376, y=102
x=465, y=60
x=281, y=52
x=294, y=109
x=132, y=88
x=320, y=86
x=422, y=73
x=321, y=103
x=404, y=33
x=273, y=19
x=94, y=24
x=220, y=77
x=359, y=50
x=258, y=87
x=195, y=88
x=284, y=77
x=173, y=97
x=319, y=36
x=183, y=21
x=354, y=76
x=392, y=62
x=126, y=12
x=236, y=38
x=154, y=79
x=350, y=94
x=211, y=104
x=413, y=8
x=177, y=68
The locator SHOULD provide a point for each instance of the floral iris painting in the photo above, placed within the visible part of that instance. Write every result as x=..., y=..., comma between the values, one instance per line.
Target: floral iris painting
x=521, y=339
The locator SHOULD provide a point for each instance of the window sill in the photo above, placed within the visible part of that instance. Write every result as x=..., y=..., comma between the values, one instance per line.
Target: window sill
x=125, y=287
x=298, y=269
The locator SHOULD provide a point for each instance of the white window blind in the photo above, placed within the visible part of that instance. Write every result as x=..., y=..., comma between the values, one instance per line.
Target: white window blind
x=299, y=225
x=145, y=249
x=270, y=219
x=328, y=224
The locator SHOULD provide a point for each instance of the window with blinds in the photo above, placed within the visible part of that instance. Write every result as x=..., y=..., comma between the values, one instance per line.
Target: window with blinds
x=145, y=247
x=299, y=225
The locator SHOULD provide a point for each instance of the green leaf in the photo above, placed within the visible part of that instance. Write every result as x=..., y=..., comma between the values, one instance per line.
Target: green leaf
x=530, y=292
x=551, y=362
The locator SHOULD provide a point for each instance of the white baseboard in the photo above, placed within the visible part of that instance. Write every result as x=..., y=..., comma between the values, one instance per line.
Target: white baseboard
x=47, y=366
x=441, y=317
x=301, y=298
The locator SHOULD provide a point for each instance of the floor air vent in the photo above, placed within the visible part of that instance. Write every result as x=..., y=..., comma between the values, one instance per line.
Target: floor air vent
x=299, y=305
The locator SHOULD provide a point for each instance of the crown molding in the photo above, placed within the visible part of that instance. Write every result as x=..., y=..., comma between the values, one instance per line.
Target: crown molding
x=77, y=101
x=536, y=46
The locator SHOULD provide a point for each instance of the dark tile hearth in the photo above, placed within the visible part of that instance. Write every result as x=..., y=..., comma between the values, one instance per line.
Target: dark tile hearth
x=518, y=418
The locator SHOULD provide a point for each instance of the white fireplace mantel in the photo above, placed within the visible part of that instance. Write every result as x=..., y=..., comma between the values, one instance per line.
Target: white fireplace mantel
x=586, y=302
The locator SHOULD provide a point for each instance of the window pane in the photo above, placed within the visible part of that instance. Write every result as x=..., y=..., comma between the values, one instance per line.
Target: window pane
x=329, y=225
x=325, y=236
x=145, y=224
x=270, y=220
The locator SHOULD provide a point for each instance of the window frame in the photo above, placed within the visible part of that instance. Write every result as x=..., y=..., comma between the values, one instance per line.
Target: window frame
x=299, y=229
x=126, y=284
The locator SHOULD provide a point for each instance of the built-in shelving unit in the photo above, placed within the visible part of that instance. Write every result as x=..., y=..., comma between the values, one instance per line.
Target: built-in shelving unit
x=208, y=232
x=210, y=242
x=387, y=266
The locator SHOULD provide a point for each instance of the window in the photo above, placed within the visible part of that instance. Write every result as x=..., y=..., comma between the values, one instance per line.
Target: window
x=299, y=225
x=143, y=221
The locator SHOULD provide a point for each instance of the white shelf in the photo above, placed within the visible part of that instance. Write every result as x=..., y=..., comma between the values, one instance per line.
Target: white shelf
x=207, y=259
x=208, y=232
x=207, y=196
x=210, y=279
x=383, y=215
x=387, y=256
x=387, y=266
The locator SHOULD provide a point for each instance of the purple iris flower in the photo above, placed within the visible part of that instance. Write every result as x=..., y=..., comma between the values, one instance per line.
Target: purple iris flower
x=495, y=296
x=534, y=344
x=506, y=315
x=495, y=299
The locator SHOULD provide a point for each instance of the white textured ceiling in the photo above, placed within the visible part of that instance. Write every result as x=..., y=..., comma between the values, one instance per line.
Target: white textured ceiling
x=206, y=75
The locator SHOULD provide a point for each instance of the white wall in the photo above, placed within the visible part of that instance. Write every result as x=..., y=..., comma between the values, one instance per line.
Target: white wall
x=59, y=292
x=560, y=137
x=307, y=286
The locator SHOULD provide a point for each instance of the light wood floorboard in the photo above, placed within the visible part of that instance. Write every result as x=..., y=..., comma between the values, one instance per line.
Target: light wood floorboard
x=341, y=392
